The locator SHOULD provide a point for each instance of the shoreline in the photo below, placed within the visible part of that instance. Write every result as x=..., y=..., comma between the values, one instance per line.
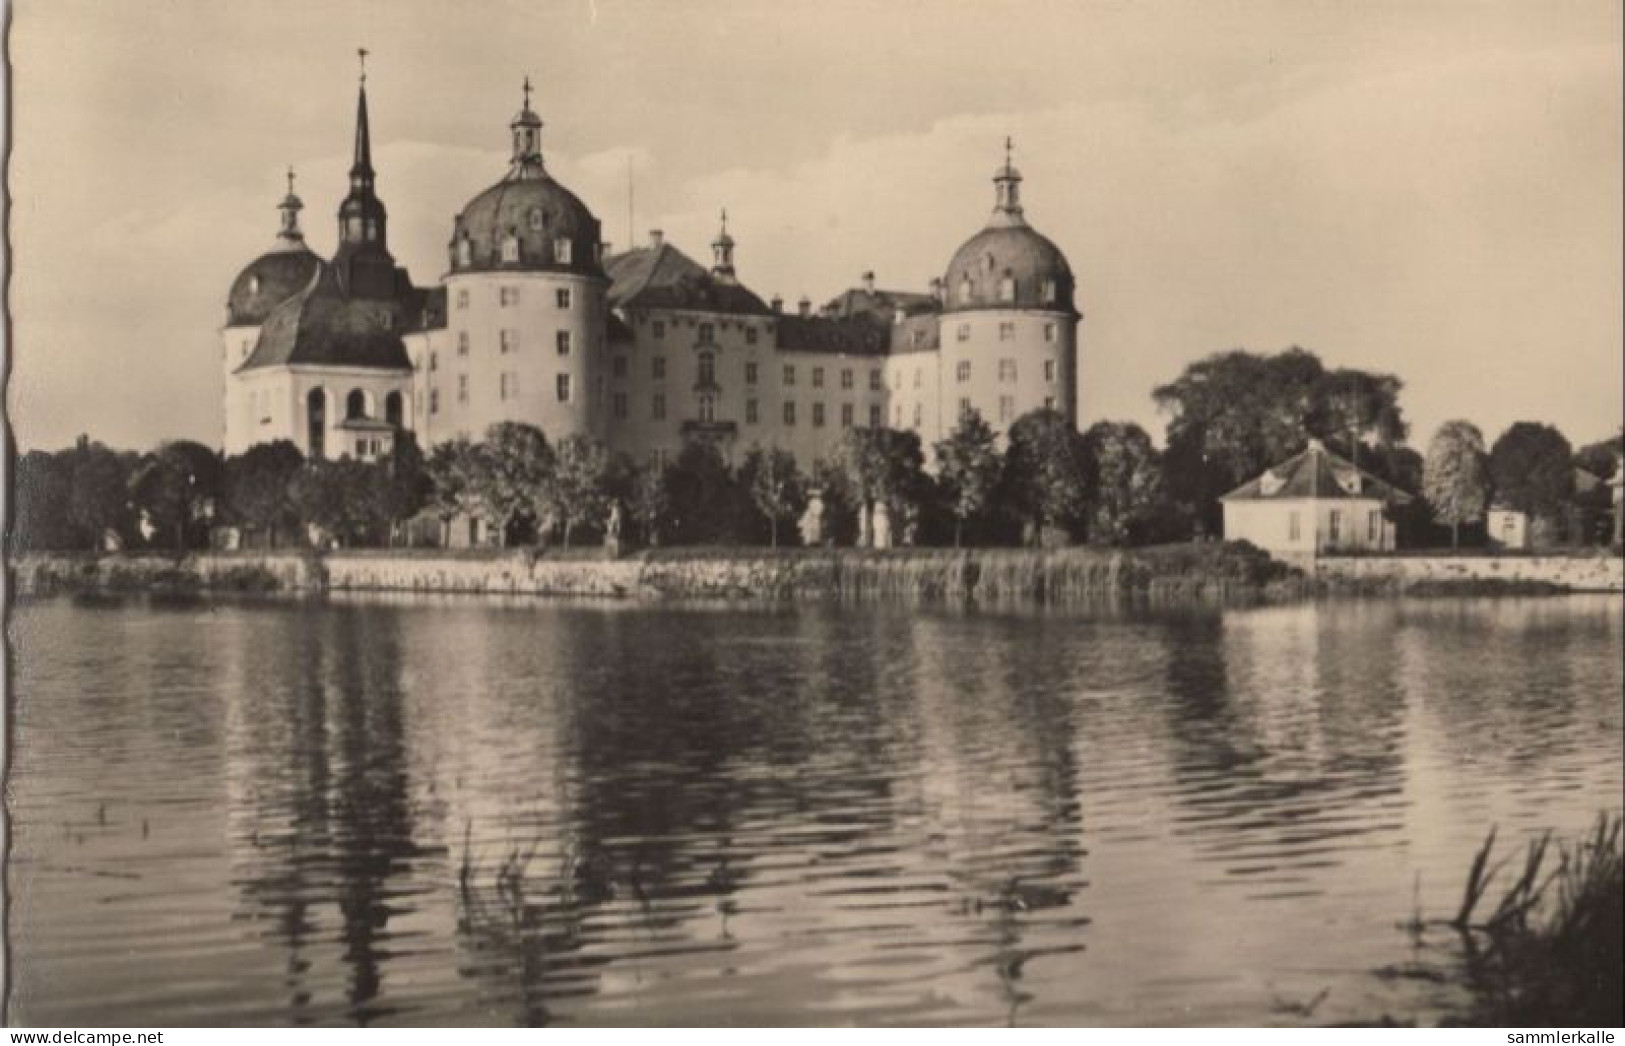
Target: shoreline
x=975, y=575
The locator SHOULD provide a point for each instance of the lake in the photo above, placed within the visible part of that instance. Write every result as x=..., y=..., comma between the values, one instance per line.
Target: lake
x=444, y=810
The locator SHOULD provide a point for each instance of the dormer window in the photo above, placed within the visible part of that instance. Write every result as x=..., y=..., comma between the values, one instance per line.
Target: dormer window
x=561, y=250
x=1007, y=287
x=1270, y=483
x=964, y=290
x=510, y=249
x=465, y=252
x=1049, y=292
x=1349, y=480
x=254, y=284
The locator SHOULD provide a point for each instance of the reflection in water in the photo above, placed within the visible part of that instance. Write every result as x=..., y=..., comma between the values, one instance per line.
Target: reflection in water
x=410, y=811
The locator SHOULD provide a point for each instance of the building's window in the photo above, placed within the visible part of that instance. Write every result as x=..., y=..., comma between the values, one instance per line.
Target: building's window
x=708, y=407
x=462, y=343
x=462, y=298
x=1048, y=293
x=708, y=333
x=434, y=401
x=658, y=328
x=874, y=380
x=919, y=414
x=1007, y=370
x=618, y=366
x=750, y=372
x=1334, y=526
x=962, y=372
x=1049, y=402
x=618, y=405
x=510, y=248
x=434, y=361
x=361, y=448
x=510, y=341
x=1007, y=288
x=818, y=377
x=1049, y=370
x=916, y=377
x=874, y=415
x=789, y=374
x=750, y=335
x=462, y=388
x=657, y=367
x=899, y=414
x=562, y=387
x=355, y=404
x=1007, y=408
x=1007, y=332
x=562, y=297
x=818, y=415
x=897, y=379
x=708, y=368
x=510, y=385
x=562, y=339
x=918, y=338
x=789, y=412
x=509, y=297
x=392, y=409
x=1293, y=526
x=1051, y=332
x=846, y=377
x=750, y=412
x=1373, y=526
x=964, y=289
x=659, y=411
x=846, y=415
x=964, y=406
x=561, y=250
x=964, y=332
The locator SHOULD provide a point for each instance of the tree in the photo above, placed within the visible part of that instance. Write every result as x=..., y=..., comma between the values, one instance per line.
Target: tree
x=1048, y=475
x=452, y=469
x=706, y=503
x=98, y=491
x=776, y=487
x=256, y=486
x=883, y=466
x=401, y=486
x=1455, y=476
x=510, y=475
x=41, y=488
x=1601, y=459
x=577, y=490
x=176, y=486
x=1128, y=492
x=651, y=498
x=334, y=496
x=968, y=467
x=1531, y=467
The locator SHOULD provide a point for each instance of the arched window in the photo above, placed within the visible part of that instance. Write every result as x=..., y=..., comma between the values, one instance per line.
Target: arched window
x=1007, y=287
x=355, y=405
x=465, y=256
x=392, y=409
x=316, y=422
x=708, y=407
x=510, y=247
x=1049, y=291
x=964, y=289
x=561, y=250
x=708, y=368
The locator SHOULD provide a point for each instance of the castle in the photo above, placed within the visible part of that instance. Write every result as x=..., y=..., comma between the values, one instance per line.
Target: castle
x=534, y=322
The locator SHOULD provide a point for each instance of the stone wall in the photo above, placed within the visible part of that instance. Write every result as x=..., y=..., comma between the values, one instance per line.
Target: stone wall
x=1594, y=573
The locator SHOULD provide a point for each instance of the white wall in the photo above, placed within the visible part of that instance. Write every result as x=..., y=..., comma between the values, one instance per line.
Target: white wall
x=1268, y=523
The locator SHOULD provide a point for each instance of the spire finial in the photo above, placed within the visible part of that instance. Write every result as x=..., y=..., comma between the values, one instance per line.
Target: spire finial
x=361, y=53
x=1008, y=146
x=725, y=221
x=527, y=90
x=290, y=179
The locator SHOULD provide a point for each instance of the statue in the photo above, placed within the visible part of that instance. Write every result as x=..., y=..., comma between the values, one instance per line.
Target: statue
x=881, y=529
x=812, y=520
x=612, y=530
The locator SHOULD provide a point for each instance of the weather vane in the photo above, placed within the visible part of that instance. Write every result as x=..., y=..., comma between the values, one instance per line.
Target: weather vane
x=362, y=52
x=527, y=90
x=290, y=179
x=1008, y=145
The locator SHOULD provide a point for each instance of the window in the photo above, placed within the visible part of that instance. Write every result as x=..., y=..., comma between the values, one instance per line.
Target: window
x=561, y=250
x=510, y=341
x=1007, y=332
x=1050, y=332
x=964, y=332
x=818, y=377
x=846, y=377
x=919, y=415
x=1294, y=529
x=964, y=406
x=750, y=335
x=874, y=380
x=434, y=361
x=708, y=368
x=1049, y=402
x=510, y=248
x=355, y=404
x=509, y=297
x=510, y=385
x=1049, y=370
x=360, y=448
x=562, y=338
x=1007, y=288
x=962, y=372
x=964, y=289
x=618, y=366
x=708, y=334
x=1334, y=528
x=1373, y=527
x=918, y=338
x=846, y=415
x=874, y=415
x=1007, y=408
x=818, y=415
x=392, y=409
x=659, y=411
x=789, y=374
x=750, y=412
x=618, y=405
x=462, y=388
x=789, y=412
x=462, y=298
x=434, y=401
x=899, y=413
x=657, y=367
x=462, y=343
x=750, y=372
x=561, y=297
x=1007, y=370
x=1049, y=291
x=708, y=407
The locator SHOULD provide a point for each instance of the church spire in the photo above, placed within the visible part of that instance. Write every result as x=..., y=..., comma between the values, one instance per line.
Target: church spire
x=1007, y=185
x=527, y=141
x=289, y=237
x=362, y=167
x=722, y=252
x=363, y=263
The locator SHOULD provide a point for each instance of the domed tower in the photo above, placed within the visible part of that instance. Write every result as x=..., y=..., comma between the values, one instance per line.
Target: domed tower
x=1009, y=326
x=269, y=280
x=525, y=305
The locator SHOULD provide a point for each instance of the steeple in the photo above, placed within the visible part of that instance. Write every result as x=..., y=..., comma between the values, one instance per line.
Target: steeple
x=363, y=263
x=527, y=141
x=1007, y=198
x=722, y=252
x=289, y=237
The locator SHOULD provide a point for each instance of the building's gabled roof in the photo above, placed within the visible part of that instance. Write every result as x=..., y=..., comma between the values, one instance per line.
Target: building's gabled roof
x=881, y=304
x=921, y=332
x=1317, y=473
x=425, y=309
x=663, y=277
x=319, y=326
x=857, y=336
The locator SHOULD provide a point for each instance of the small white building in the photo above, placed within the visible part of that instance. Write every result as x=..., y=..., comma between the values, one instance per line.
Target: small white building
x=1313, y=503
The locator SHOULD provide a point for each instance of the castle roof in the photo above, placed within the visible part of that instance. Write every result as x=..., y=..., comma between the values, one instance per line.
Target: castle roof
x=663, y=277
x=860, y=335
x=320, y=326
x=1317, y=473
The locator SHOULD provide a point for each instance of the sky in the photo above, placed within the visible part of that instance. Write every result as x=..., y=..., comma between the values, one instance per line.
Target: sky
x=1432, y=189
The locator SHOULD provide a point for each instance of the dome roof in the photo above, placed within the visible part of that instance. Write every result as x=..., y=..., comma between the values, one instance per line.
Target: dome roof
x=1009, y=267
x=267, y=282
x=540, y=215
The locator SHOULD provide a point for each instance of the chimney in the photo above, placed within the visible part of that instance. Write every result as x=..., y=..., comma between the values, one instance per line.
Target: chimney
x=936, y=287
x=657, y=239
x=869, y=281
x=898, y=315
x=804, y=306
x=777, y=304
